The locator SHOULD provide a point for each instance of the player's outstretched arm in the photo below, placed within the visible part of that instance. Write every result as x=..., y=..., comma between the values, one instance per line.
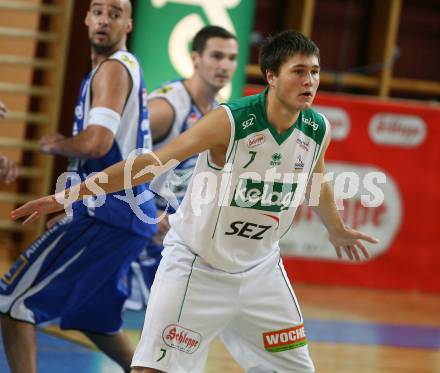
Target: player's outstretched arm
x=344, y=239
x=211, y=132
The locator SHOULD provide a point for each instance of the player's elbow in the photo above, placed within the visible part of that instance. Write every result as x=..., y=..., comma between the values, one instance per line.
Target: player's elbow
x=97, y=142
x=96, y=148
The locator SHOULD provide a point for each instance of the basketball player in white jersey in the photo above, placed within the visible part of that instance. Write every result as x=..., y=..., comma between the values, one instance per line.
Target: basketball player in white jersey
x=72, y=272
x=174, y=108
x=221, y=271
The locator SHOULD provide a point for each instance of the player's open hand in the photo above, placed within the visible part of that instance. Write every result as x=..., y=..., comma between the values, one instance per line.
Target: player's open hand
x=49, y=144
x=3, y=110
x=350, y=242
x=8, y=170
x=36, y=208
x=163, y=226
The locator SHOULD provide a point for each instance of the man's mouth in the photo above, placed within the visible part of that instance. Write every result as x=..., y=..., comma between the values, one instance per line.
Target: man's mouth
x=101, y=33
x=220, y=76
x=306, y=94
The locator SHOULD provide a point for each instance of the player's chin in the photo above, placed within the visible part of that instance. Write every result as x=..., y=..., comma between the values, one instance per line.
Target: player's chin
x=221, y=82
x=305, y=105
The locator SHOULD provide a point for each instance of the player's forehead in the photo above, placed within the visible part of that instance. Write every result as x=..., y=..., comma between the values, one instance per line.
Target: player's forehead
x=225, y=45
x=123, y=6
x=301, y=60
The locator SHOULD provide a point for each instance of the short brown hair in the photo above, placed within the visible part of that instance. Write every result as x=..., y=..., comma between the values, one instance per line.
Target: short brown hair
x=276, y=49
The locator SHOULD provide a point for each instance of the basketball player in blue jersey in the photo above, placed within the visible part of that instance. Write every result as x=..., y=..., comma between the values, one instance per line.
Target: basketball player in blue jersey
x=72, y=272
x=8, y=168
x=174, y=108
x=221, y=273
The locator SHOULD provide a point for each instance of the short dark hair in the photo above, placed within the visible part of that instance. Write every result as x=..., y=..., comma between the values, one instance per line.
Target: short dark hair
x=208, y=32
x=276, y=49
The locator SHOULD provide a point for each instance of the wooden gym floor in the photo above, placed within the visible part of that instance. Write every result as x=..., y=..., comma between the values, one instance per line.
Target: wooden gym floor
x=350, y=330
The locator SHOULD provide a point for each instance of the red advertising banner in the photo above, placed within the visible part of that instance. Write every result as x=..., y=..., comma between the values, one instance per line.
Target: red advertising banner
x=384, y=160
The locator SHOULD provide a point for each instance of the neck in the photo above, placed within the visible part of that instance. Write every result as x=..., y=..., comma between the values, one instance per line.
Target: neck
x=279, y=114
x=201, y=93
x=97, y=57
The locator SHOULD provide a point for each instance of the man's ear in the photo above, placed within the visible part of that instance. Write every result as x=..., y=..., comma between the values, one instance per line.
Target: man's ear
x=86, y=20
x=195, y=58
x=129, y=25
x=270, y=77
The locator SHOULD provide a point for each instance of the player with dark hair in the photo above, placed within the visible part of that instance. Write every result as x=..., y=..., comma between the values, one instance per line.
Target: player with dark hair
x=221, y=271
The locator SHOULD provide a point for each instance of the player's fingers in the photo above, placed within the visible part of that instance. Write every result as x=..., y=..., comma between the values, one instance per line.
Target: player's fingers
x=338, y=251
x=166, y=224
x=158, y=238
x=363, y=249
x=25, y=210
x=2, y=110
x=31, y=218
x=348, y=252
x=355, y=252
x=367, y=237
x=8, y=176
x=11, y=173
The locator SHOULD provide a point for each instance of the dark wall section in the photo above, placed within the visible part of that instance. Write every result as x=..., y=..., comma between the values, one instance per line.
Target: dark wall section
x=342, y=29
x=419, y=40
x=78, y=65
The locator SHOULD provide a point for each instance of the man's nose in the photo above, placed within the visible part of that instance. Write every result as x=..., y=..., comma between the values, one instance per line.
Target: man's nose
x=104, y=19
x=308, y=79
x=225, y=64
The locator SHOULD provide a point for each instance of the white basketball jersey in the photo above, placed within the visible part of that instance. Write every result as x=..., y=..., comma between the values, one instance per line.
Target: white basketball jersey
x=234, y=216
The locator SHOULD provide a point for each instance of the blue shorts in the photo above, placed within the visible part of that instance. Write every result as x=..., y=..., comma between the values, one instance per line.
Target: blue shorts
x=73, y=272
x=141, y=275
x=149, y=261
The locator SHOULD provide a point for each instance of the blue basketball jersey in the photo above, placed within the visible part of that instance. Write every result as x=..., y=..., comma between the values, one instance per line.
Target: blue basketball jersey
x=133, y=209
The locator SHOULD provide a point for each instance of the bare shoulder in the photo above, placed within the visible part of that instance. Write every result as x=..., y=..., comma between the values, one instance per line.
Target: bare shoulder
x=111, y=86
x=161, y=117
x=111, y=71
x=160, y=105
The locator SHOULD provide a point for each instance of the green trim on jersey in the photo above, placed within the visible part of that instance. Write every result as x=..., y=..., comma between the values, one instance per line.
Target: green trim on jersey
x=186, y=289
x=250, y=116
x=235, y=146
x=212, y=165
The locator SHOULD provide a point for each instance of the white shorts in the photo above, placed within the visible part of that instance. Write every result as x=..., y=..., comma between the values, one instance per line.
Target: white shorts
x=255, y=313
